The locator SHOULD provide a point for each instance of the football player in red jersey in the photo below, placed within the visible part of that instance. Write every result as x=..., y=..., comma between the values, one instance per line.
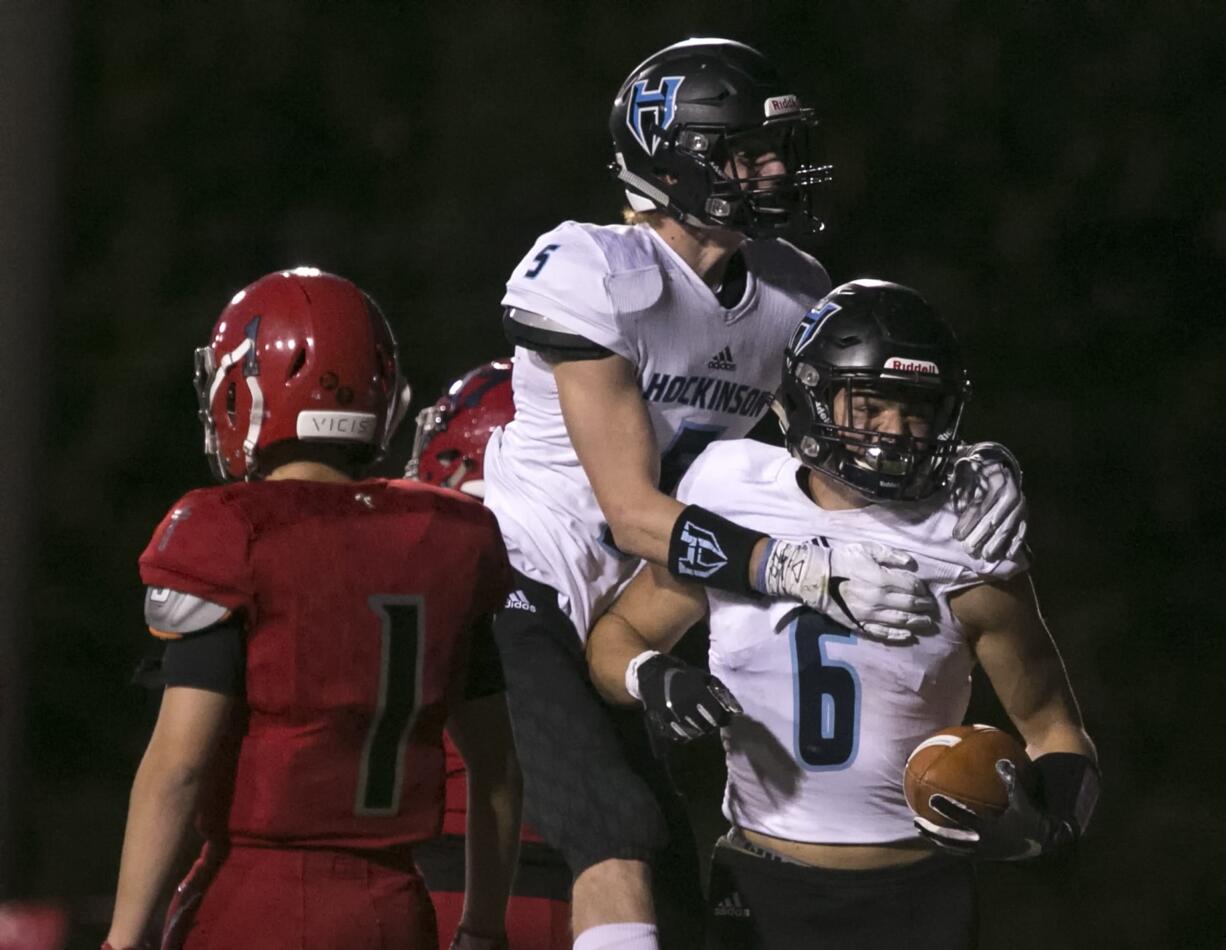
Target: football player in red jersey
x=449, y=450
x=320, y=631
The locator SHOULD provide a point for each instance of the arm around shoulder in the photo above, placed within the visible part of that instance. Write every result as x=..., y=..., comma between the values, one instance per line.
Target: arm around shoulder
x=613, y=437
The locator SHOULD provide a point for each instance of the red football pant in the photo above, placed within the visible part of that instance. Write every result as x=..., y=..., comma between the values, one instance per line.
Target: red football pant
x=287, y=899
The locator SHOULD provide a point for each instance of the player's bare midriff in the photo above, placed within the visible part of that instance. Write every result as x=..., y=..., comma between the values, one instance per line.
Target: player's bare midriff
x=844, y=857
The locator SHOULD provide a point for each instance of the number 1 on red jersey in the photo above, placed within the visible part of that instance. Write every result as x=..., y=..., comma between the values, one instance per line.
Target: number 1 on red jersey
x=402, y=624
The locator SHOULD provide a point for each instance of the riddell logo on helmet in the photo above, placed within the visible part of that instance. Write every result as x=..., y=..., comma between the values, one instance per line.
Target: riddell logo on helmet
x=337, y=426
x=778, y=105
x=912, y=366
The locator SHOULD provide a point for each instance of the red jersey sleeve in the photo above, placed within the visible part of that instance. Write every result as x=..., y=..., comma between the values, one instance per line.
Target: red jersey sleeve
x=201, y=547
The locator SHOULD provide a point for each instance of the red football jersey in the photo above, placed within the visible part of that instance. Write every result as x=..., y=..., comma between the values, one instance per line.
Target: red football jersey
x=357, y=601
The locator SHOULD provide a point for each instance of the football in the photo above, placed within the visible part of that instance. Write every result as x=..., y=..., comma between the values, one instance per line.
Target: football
x=960, y=762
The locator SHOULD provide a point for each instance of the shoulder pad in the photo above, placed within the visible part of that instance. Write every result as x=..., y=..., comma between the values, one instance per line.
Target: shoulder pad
x=564, y=278
x=561, y=262
x=933, y=520
x=725, y=462
x=413, y=494
x=634, y=280
x=635, y=290
x=201, y=547
x=171, y=613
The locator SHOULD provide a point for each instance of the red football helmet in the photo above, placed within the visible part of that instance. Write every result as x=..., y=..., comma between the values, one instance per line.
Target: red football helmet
x=449, y=447
x=299, y=354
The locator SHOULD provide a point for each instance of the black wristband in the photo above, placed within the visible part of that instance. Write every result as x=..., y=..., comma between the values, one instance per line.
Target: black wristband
x=1069, y=788
x=712, y=550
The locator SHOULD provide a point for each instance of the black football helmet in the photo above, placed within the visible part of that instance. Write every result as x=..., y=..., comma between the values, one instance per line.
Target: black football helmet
x=684, y=114
x=867, y=341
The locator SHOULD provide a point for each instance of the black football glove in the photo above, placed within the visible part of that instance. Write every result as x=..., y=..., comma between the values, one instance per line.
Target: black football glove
x=682, y=701
x=1025, y=829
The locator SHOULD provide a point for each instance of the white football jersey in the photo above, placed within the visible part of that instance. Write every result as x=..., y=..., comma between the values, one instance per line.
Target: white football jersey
x=706, y=373
x=830, y=716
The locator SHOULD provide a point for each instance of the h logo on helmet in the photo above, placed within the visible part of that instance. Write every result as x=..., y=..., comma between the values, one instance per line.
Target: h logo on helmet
x=661, y=101
x=809, y=326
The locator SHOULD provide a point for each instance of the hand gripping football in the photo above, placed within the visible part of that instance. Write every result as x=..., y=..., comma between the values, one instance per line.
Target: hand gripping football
x=960, y=762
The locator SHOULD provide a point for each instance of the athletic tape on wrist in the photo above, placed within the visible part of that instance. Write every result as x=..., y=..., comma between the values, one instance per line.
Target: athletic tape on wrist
x=632, y=673
x=759, y=580
x=712, y=550
x=784, y=567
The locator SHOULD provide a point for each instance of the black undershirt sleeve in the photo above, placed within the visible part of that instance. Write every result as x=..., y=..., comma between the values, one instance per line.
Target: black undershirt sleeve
x=211, y=659
x=551, y=344
x=484, y=667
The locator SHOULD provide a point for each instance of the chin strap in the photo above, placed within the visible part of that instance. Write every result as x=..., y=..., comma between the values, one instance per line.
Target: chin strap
x=648, y=197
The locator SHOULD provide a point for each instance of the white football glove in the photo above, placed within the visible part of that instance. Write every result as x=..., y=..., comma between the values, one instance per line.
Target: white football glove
x=987, y=496
x=865, y=586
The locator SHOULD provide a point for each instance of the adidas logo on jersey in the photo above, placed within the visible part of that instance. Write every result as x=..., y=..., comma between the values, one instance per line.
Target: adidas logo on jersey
x=731, y=906
x=722, y=360
x=517, y=601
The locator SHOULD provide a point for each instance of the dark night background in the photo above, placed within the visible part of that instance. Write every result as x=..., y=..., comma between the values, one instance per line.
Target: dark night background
x=1048, y=174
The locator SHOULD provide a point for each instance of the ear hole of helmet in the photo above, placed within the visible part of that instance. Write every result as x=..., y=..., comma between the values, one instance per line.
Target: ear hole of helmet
x=295, y=366
x=232, y=403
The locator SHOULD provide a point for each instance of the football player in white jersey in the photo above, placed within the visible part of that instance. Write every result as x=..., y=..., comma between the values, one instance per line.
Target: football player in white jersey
x=824, y=715
x=636, y=346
